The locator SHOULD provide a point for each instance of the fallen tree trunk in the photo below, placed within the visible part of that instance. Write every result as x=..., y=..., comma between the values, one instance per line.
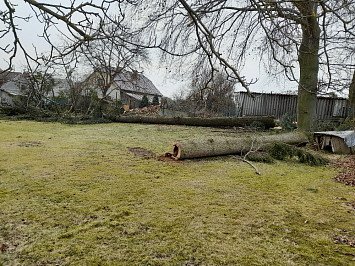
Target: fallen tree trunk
x=195, y=148
x=267, y=121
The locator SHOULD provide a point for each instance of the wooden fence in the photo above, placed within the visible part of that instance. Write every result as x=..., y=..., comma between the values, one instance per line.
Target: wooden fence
x=279, y=104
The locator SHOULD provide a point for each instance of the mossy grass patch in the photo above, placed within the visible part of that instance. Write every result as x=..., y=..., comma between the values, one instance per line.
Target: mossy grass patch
x=81, y=197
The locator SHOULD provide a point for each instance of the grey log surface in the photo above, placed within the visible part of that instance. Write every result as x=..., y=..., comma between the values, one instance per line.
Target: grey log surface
x=195, y=148
x=268, y=121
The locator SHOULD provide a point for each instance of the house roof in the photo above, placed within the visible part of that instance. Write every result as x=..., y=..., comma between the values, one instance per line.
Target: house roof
x=139, y=97
x=8, y=76
x=11, y=88
x=135, y=83
x=12, y=82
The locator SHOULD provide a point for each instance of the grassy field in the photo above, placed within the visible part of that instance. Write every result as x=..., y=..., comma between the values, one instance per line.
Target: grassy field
x=76, y=194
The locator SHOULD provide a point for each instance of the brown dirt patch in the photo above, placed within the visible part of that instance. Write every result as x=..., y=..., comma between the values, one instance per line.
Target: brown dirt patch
x=167, y=157
x=147, y=154
x=137, y=151
x=347, y=168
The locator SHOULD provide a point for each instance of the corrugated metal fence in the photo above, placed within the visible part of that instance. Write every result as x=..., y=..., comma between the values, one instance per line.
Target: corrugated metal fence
x=279, y=104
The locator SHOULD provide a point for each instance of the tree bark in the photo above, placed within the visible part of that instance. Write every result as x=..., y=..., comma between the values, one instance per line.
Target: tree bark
x=352, y=99
x=308, y=59
x=267, y=121
x=196, y=148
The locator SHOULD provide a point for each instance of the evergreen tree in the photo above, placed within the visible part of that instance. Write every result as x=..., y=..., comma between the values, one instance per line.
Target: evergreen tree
x=155, y=100
x=144, y=102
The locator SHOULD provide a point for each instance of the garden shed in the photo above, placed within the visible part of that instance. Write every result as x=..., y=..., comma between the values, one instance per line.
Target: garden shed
x=341, y=142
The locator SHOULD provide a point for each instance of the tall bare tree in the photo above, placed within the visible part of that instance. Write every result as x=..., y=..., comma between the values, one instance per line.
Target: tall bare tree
x=40, y=83
x=76, y=21
x=292, y=33
x=217, y=99
x=111, y=53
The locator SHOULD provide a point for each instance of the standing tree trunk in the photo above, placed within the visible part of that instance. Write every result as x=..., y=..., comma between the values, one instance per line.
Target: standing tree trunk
x=351, y=114
x=309, y=65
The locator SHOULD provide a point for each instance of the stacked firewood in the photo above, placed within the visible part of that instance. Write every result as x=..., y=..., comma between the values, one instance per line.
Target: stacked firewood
x=151, y=110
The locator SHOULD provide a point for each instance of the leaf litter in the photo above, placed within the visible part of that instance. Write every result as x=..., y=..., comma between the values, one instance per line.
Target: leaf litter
x=347, y=170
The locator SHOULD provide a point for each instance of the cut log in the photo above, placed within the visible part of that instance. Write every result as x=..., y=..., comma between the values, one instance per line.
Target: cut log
x=195, y=148
x=267, y=121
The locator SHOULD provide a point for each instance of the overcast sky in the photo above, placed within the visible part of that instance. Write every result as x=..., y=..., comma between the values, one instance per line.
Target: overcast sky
x=166, y=79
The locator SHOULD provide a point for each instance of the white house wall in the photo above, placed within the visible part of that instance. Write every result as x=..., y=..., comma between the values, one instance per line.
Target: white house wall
x=114, y=94
x=5, y=98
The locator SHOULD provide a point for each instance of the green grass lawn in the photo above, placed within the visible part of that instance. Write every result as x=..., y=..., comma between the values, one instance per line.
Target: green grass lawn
x=76, y=194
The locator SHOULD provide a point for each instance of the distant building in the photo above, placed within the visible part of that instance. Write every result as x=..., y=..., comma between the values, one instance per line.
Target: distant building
x=127, y=87
x=16, y=84
x=12, y=85
x=60, y=87
x=130, y=87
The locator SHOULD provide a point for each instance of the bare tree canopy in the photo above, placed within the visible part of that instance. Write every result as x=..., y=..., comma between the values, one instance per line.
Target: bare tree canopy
x=76, y=22
x=110, y=54
x=301, y=37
